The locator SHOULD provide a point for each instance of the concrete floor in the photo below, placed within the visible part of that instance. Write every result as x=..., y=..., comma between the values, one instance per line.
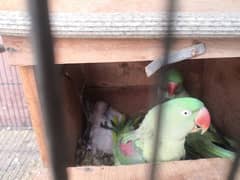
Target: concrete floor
x=19, y=156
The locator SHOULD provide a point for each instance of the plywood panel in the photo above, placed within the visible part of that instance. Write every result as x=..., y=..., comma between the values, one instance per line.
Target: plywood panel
x=73, y=118
x=127, y=6
x=221, y=94
x=30, y=91
x=71, y=51
x=72, y=112
x=133, y=74
x=129, y=100
x=113, y=74
x=210, y=169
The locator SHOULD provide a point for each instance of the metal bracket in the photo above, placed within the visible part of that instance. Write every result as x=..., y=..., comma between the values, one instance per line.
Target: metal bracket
x=176, y=56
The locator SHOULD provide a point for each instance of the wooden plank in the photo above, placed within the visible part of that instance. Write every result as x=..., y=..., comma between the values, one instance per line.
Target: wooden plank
x=71, y=51
x=221, y=85
x=73, y=117
x=210, y=169
x=129, y=74
x=127, y=6
x=31, y=94
x=126, y=99
x=72, y=113
x=112, y=74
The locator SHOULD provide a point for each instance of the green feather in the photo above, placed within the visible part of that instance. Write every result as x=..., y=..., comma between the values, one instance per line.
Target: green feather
x=207, y=146
x=173, y=75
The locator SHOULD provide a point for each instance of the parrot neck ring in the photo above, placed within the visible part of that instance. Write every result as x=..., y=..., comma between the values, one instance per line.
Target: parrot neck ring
x=202, y=121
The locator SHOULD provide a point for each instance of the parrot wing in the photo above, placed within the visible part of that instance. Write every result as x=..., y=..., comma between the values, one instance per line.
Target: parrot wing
x=206, y=146
x=125, y=150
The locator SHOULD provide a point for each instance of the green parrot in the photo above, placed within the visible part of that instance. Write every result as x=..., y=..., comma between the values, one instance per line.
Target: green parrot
x=212, y=143
x=179, y=117
x=173, y=86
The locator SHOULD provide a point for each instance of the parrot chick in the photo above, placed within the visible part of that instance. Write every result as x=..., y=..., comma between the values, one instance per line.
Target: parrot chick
x=179, y=117
x=100, y=137
x=173, y=85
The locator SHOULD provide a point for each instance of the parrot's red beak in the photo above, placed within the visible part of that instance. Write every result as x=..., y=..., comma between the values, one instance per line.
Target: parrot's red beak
x=172, y=86
x=202, y=121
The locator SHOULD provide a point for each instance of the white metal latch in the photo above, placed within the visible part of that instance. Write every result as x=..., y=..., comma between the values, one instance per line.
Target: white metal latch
x=176, y=56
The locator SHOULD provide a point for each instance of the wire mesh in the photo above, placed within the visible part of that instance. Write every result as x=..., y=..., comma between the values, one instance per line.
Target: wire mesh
x=13, y=107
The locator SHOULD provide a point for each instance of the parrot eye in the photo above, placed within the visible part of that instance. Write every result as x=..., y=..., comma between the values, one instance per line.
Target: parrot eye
x=186, y=112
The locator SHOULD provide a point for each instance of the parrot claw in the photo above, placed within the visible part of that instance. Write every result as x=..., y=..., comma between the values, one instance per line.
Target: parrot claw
x=196, y=129
x=105, y=125
x=203, y=131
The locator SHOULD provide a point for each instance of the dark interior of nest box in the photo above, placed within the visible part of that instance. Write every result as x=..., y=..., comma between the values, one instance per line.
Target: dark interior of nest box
x=125, y=87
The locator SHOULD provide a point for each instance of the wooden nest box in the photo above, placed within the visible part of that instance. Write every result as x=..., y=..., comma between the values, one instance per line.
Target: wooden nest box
x=105, y=46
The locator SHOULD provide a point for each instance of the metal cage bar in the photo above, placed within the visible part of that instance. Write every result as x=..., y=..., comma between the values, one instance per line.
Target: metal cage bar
x=48, y=85
x=167, y=48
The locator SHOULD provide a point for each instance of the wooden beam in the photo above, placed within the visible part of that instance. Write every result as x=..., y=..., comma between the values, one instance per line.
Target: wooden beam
x=31, y=94
x=178, y=170
x=71, y=51
x=128, y=6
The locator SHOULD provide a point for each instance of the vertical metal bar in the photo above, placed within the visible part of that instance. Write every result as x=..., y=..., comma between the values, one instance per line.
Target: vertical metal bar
x=48, y=88
x=235, y=166
x=168, y=40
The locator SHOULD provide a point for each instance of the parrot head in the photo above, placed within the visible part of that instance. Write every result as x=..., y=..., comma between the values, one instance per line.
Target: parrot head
x=174, y=81
x=182, y=116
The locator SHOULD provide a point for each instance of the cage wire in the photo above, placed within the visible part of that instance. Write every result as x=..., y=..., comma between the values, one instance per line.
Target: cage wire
x=49, y=95
x=168, y=40
x=13, y=108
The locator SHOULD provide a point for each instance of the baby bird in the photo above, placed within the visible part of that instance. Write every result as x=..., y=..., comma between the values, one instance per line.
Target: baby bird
x=100, y=137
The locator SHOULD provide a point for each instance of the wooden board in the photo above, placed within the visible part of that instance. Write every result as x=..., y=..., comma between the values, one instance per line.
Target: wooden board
x=127, y=5
x=71, y=51
x=72, y=113
x=221, y=94
x=73, y=118
x=112, y=74
x=210, y=169
x=129, y=100
x=31, y=94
